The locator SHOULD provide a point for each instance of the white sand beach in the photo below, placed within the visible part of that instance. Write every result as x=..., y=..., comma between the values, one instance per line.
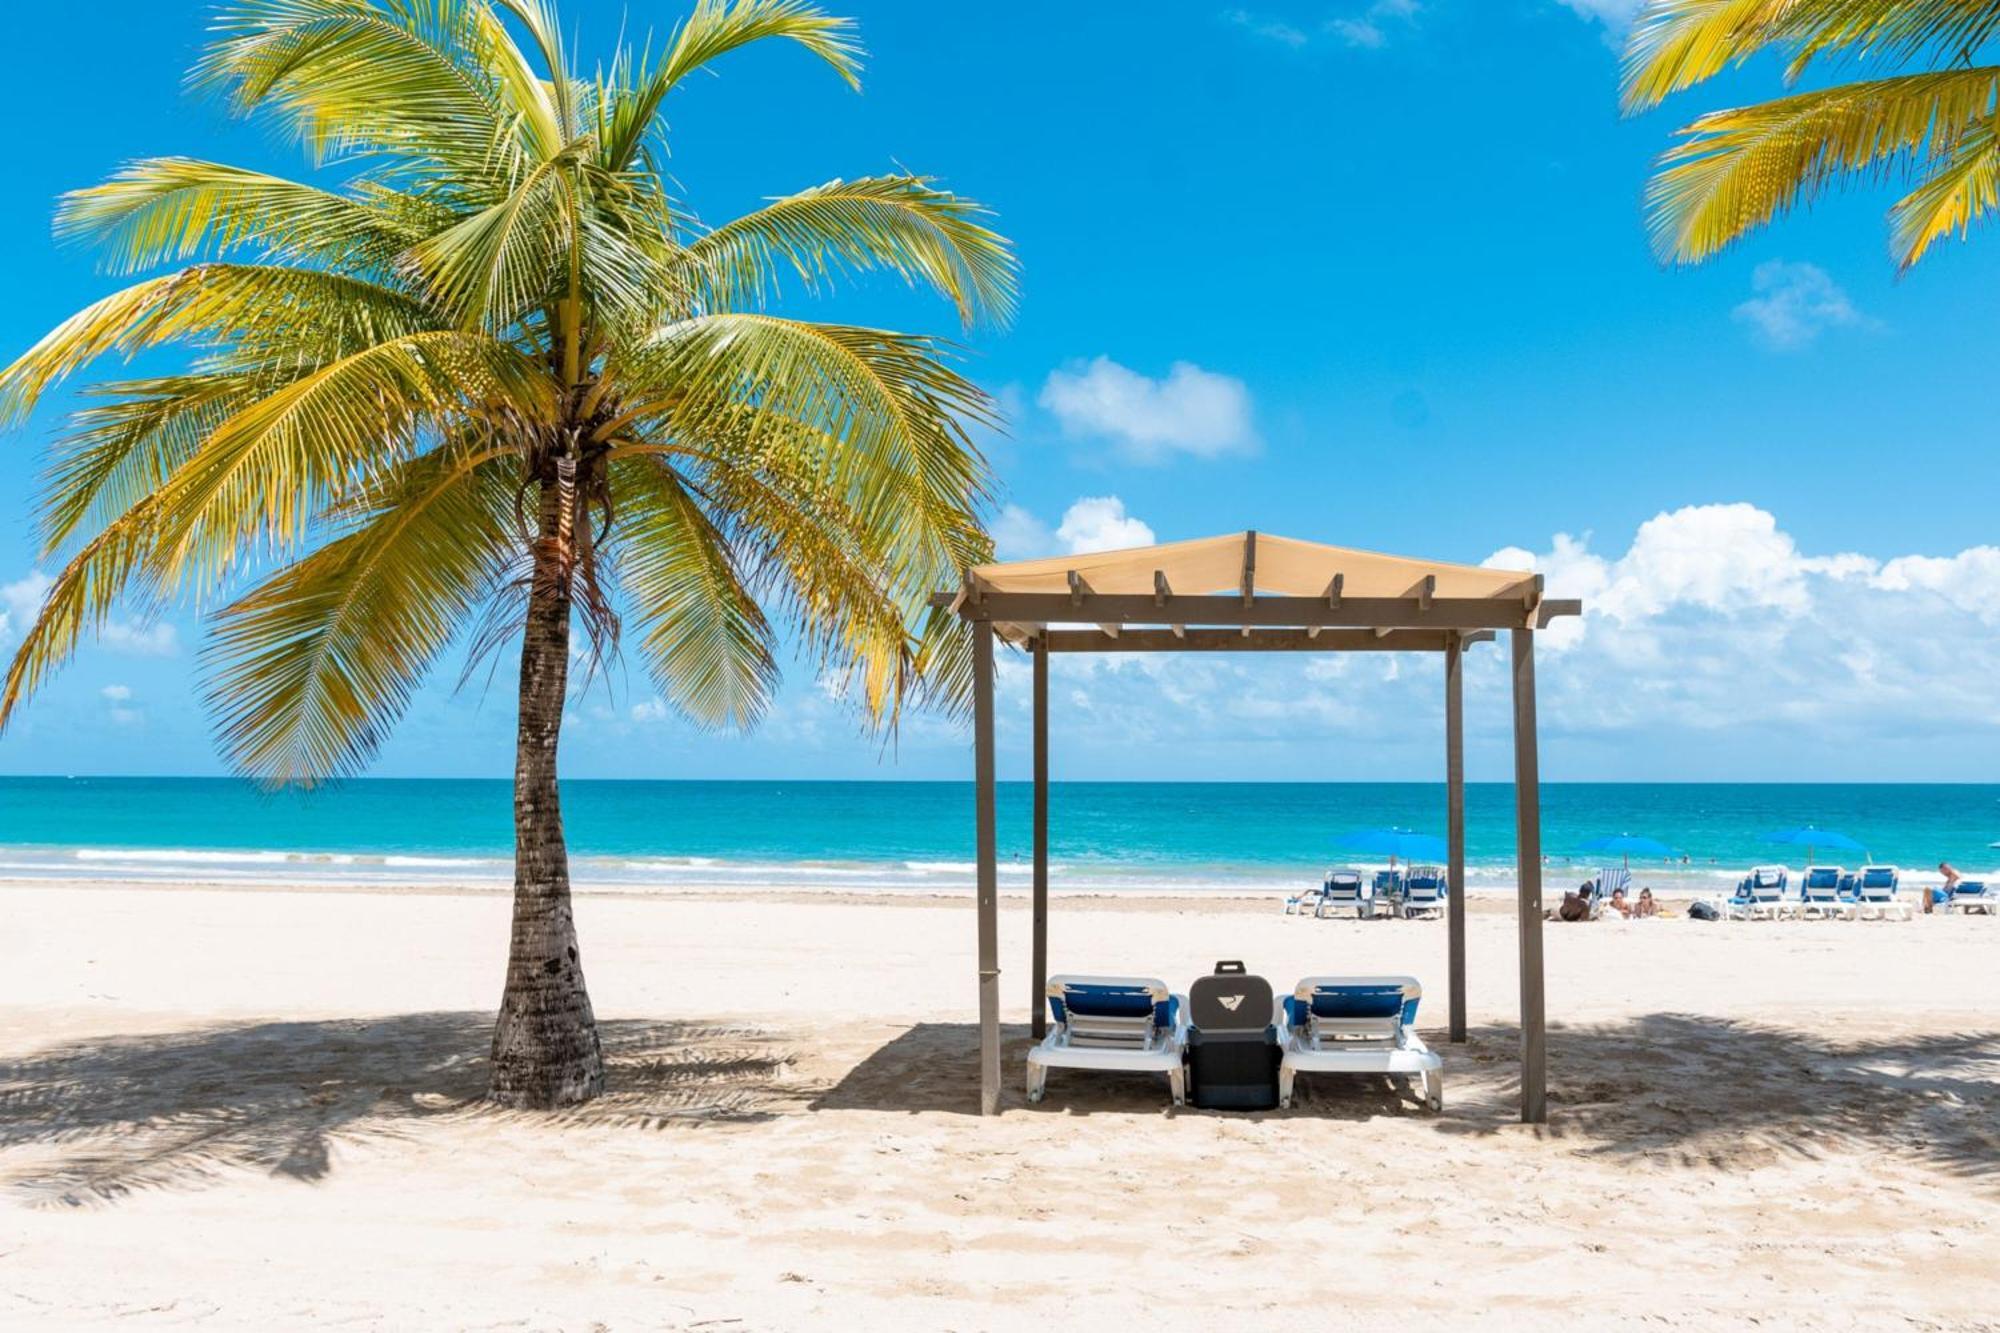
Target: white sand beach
x=260, y=1109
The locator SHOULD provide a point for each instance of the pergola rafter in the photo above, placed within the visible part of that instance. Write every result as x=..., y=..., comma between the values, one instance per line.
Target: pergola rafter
x=1243, y=593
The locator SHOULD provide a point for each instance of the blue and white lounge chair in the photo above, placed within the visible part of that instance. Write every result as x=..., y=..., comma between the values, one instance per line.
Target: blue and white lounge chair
x=1761, y=894
x=1609, y=880
x=1876, y=893
x=1424, y=890
x=1826, y=892
x=1356, y=1025
x=1976, y=895
x=1345, y=889
x=1304, y=901
x=1121, y=1025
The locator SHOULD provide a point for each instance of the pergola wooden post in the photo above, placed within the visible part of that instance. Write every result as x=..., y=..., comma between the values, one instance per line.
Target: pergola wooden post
x=1284, y=596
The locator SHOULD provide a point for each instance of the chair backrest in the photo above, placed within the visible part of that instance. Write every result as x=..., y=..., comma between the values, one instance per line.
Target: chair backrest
x=1351, y=1008
x=1343, y=884
x=1611, y=878
x=1388, y=881
x=1767, y=883
x=1821, y=883
x=1878, y=882
x=1425, y=884
x=1111, y=1011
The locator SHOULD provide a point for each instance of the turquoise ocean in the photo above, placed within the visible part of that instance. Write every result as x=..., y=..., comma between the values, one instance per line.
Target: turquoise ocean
x=880, y=835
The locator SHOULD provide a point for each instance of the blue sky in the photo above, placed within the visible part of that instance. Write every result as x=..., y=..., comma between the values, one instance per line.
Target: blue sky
x=1371, y=273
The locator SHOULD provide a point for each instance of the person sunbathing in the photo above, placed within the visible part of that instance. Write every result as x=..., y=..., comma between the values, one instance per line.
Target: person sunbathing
x=1618, y=903
x=1647, y=904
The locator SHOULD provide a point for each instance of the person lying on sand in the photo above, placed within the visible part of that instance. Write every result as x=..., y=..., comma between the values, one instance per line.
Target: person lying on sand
x=1647, y=904
x=1575, y=907
x=1618, y=903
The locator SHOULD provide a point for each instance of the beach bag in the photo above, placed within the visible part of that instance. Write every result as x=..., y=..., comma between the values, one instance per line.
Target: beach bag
x=1703, y=912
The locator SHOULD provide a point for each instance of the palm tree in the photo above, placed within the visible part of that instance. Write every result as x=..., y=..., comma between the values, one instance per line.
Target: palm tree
x=500, y=381
x=1934, y=123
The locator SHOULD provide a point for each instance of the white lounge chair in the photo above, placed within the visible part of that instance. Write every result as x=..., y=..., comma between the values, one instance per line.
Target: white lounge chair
x=1877, y=893
x=1976, y=895
x=1824, y=892
x=1356, y=1025
x=1345, y=889
x=1761, y=894
x=1303, y=902
x=1609, y=880
x=1118, y=1024
x=1424, y=890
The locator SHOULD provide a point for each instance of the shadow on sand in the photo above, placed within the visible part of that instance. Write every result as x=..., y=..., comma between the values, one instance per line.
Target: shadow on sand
x=150, y=1111
x=1691, y=1088
x=87, y=1122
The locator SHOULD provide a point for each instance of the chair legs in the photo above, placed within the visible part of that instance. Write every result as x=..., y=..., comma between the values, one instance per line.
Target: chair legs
x=1038, y=1080
x=1286, y=1076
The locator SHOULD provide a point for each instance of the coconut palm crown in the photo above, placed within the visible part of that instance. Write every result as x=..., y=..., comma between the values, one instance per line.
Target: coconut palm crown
x=1931, y=121
x=495, y=384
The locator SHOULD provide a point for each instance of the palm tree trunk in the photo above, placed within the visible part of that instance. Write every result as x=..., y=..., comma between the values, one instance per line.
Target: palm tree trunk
x=545, y=1046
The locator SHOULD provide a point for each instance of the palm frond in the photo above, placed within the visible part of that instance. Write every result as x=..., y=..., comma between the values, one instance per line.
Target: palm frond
x=1740, y=168
x=715, y=28
x=900, y=223
x=398, y=77
x=704, y=641
x=80, y=601
x=307, y=672
x=1959, y=192
x=265, y=473
x=167, y=209
x=207, y=305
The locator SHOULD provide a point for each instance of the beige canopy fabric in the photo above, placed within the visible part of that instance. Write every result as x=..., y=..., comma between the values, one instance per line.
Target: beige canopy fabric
x=1279, y=566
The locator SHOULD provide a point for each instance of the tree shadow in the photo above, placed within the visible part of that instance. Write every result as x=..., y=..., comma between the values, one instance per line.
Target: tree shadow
x=1726, y=1094
x=1688, y=1088
x=94, y=1120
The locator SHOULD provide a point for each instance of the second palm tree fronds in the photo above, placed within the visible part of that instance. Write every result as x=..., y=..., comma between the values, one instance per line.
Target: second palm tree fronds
x=496, y=384
x=1930, y=121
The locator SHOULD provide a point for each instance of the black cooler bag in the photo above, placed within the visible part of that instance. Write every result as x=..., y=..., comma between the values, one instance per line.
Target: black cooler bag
x=1232, y=1043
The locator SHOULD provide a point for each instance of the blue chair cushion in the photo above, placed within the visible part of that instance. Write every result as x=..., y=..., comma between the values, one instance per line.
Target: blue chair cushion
x=1114, y=1002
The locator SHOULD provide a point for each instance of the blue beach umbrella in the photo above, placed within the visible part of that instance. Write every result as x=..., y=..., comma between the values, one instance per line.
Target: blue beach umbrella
x=1395, y=842
x=1629, y=845
x=1811, y=836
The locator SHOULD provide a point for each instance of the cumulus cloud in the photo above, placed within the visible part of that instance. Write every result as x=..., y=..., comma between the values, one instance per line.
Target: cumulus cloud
x=650, y=710
x=20, y=602
x=1191, y=411
x=1794, y=304
x=123, y=636
x=1712, y=645
x=1100, y=523
x=1093, y=523
x=118, y=694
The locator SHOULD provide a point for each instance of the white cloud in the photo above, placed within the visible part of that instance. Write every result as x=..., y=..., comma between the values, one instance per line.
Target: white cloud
x=1019, y=535
x=1191, y=411
x=123, y=636
x=1795, y=303
x=1712, y=645
x=20, y=602
x=1093, y=523
x=1271, y=30
x=650, y=710
x=1365, y=30
x=118, y=694
x=1100, y=523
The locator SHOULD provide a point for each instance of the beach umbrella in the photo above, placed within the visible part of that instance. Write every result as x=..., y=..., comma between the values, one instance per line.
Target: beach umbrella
x=1629, y=845
x=1393, y=843
x=1811, y=836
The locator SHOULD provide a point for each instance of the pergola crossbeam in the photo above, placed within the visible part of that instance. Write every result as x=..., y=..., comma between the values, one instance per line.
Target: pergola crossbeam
x=1081, y=606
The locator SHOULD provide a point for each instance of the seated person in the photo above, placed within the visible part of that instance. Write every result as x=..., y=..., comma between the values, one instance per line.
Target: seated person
x=1647, y=904
x=1940, y=896
x=1575, y=907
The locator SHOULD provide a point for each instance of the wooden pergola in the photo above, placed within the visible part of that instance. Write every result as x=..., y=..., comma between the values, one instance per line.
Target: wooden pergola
x=1248, y=592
